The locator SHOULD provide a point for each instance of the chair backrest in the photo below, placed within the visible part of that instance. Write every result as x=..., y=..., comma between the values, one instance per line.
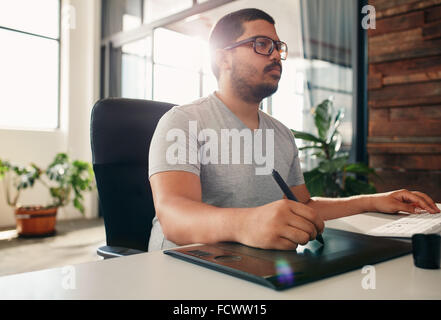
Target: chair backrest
x=121, y=131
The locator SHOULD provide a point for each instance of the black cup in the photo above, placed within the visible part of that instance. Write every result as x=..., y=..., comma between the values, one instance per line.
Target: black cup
x=426, y=250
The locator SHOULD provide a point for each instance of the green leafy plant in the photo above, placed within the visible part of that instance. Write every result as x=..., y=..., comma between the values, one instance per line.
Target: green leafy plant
x=66, y=180
x=333, y=176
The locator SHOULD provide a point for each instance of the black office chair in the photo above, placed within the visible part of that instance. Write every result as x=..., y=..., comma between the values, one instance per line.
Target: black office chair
x=120, y=132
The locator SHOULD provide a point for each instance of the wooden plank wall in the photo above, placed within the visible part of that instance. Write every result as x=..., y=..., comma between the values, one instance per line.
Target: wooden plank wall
x=404, y=95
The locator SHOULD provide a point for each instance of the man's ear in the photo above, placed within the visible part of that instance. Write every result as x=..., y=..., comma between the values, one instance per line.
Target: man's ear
x=223, y=60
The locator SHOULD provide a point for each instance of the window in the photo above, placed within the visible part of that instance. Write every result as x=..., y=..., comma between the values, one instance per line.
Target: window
x=157, y=9
x=121, y=15
x=29, y=64
x=329, y=50
x=180, y=71
x=176, y=66
x=287, y=102
x=136, y=69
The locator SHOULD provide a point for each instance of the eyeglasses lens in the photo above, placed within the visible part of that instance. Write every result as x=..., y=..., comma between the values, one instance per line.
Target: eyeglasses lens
x=265, y=46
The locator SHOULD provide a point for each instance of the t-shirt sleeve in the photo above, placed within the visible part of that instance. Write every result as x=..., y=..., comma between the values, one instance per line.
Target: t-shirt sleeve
x=295, y=176
x=174, y=144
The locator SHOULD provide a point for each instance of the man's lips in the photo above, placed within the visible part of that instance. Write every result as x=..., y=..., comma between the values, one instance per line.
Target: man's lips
x=273, y=67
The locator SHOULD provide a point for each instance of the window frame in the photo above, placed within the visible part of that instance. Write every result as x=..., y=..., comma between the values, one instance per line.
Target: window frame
x=117, y=40
x=358, y=150
x=58, y=40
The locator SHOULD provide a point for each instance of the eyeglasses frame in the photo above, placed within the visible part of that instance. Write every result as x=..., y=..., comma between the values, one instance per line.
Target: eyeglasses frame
x=275, y=43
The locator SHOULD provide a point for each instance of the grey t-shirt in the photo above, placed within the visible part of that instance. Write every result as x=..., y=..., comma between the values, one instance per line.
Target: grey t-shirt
x=233, y=162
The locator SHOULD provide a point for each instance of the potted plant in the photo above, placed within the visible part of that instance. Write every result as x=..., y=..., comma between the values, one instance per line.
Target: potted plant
x=66, y=181
x=333, y=176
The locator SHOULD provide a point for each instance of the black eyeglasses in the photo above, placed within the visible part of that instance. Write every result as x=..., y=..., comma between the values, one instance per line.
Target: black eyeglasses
x=263, y=45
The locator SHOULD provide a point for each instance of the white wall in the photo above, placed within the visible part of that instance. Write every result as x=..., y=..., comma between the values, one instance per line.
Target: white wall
x=80, y=54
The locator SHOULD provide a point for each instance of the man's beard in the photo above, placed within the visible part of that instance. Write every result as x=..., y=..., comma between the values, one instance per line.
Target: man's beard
x=249, y=92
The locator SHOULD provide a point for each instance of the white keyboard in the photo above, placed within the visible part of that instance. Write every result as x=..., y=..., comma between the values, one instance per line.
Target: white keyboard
x=407, y=226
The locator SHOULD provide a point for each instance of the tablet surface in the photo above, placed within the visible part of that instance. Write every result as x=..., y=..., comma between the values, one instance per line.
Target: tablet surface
x=343, y=251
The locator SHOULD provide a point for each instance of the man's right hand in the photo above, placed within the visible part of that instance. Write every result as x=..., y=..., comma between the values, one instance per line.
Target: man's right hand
x=185, y=219
x=281, y=225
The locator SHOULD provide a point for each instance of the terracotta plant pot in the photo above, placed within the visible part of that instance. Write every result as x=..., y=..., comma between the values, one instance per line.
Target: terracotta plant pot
x=36, y=221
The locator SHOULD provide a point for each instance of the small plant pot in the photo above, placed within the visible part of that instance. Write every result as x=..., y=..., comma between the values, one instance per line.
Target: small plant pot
x=36, y=221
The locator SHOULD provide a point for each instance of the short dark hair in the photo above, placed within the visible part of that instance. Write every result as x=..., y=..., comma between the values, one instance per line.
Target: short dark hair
x=229, y=28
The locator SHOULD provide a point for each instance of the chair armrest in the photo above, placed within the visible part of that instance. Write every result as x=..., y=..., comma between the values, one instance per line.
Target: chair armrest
x=112, y=252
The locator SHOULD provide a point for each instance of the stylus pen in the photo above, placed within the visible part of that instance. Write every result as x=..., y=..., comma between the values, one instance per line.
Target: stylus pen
x=287, y=191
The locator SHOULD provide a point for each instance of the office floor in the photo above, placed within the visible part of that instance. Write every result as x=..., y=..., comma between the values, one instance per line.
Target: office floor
x=75, y=242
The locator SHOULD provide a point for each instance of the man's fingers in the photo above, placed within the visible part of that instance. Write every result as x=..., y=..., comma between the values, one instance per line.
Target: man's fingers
x=301, y=223
x=285, y=244
x=295, y=235
x=304, y=211
x=405, y=207
x=415, y=199
x=429, y=200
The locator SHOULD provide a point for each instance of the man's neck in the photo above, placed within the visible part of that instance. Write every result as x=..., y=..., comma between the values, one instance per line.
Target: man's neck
x=247, y=112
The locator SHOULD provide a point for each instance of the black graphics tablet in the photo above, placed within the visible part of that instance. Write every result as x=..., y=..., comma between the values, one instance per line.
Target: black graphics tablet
x=343, y=251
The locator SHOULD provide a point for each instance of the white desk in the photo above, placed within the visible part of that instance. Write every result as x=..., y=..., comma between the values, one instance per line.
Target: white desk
x=158, y=276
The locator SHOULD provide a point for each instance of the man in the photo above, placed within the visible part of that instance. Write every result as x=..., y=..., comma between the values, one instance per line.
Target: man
x=200, y=201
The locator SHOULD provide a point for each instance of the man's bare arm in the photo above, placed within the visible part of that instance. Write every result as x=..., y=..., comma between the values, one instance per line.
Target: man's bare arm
x=389, y=202
x=186, y=219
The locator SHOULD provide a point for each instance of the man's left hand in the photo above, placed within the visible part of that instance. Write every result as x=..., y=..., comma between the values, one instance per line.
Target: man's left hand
x=403, y=200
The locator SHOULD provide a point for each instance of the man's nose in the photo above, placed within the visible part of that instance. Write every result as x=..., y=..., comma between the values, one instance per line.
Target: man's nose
x=275, y=55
